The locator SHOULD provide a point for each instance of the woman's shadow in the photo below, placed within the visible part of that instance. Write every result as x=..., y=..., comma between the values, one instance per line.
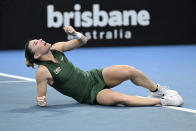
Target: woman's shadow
x=67, y=108
x=48, y=108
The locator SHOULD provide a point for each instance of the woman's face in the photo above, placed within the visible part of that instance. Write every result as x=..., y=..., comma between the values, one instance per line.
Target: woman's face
x=39, y=47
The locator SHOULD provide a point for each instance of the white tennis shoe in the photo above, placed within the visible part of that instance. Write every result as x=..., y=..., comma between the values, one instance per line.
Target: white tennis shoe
x=161, y=92
x=172, y=100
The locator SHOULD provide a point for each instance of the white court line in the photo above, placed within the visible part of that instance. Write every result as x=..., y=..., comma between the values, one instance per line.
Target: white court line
x=13, y=81
x=181, y=109
x=17, y=77
x=33, y=80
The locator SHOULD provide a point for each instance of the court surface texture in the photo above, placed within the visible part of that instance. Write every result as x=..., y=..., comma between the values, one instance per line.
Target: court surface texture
x=172, y=66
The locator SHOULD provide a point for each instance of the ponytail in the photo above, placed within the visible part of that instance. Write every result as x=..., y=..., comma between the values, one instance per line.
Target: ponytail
x=29, y=64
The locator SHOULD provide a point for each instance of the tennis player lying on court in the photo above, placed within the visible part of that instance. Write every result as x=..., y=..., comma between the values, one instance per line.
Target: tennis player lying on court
x=90, y=87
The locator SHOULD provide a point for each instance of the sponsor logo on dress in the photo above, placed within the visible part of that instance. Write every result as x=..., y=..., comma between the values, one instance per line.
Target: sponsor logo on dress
x=57, y=70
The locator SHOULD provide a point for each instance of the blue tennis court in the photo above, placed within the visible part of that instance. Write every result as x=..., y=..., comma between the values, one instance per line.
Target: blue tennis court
x=173, y=66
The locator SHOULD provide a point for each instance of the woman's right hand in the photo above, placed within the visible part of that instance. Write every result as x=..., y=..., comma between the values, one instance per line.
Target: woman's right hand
x=41, y=101
x=70, y=30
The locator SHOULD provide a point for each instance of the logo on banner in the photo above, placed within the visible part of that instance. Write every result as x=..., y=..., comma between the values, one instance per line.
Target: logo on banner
x=99, y=18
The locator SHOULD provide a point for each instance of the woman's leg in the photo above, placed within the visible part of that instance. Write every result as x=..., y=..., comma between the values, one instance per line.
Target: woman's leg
x=114, y=75
x=109, y=97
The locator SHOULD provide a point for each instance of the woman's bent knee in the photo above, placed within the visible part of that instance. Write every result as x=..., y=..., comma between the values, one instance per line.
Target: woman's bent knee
x=129, y=72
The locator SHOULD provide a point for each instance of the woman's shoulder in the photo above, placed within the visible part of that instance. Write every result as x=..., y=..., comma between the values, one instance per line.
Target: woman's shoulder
x=56, y=51
x=42, y=74
x=42, y=70
x=54, y=48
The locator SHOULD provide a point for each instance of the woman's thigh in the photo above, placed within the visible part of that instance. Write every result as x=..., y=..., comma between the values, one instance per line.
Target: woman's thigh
x=116, y=74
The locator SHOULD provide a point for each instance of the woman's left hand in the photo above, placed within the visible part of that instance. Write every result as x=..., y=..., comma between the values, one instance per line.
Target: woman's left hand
x=69, y=30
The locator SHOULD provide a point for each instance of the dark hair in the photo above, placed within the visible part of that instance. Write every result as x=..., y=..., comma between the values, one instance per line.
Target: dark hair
x=29, y=55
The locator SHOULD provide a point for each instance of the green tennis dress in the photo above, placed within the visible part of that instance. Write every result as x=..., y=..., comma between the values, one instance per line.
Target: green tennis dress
x=71, y=81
